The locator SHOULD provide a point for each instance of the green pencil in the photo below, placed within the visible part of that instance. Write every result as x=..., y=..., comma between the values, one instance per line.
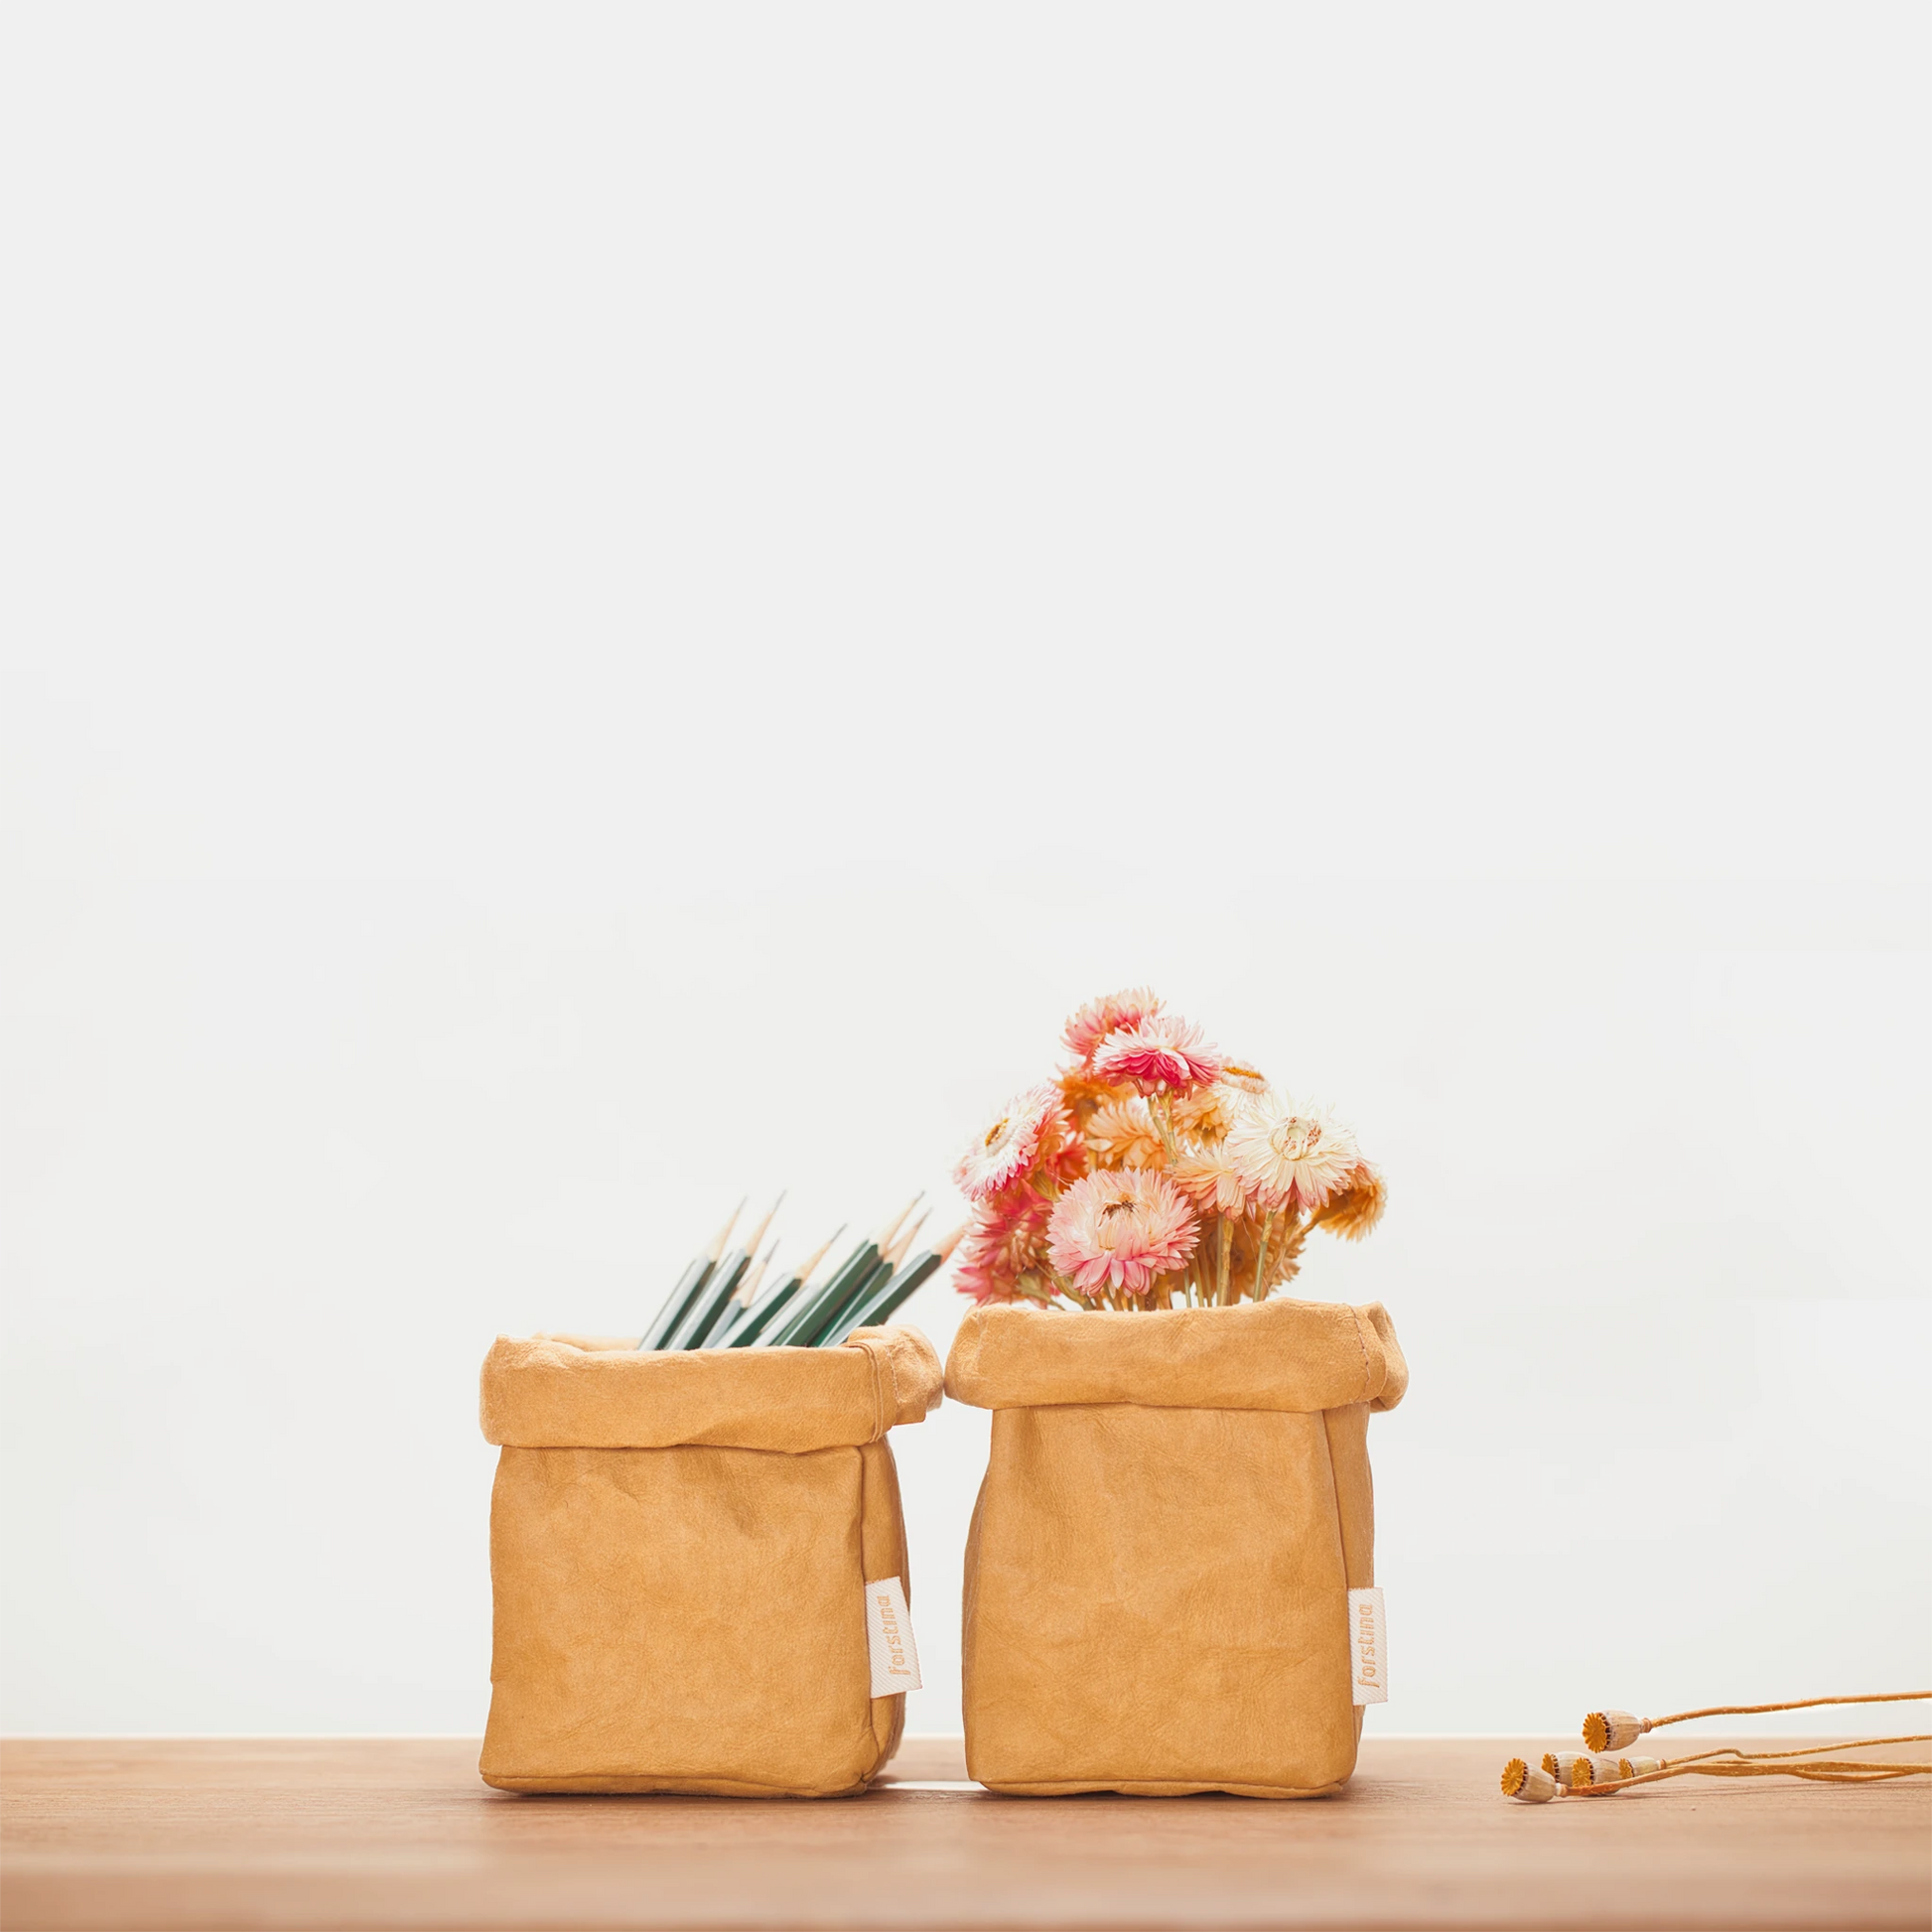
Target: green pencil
x=834, y=1327
x=709, y=1304
x=884, y=1301
x=746, y=1294
x=811, y=1312
x=677, y=1305
x=808, y=1311
x=805, y=1328
x=759, y=1316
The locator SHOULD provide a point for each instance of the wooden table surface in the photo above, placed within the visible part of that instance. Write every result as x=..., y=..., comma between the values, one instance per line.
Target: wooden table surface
x=295, y=1833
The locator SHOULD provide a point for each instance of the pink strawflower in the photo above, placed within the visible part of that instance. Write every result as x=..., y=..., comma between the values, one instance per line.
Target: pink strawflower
x=1164, y=1050
x=1291, y=1155
x=1121, y=1228
x=973, y=1276
x=1064, y=1156
x=1108, y=1014
x=1009, y=1146
x=1005, y=1240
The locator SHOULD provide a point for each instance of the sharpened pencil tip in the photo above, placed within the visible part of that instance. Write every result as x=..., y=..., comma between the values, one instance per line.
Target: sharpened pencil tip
x=752, y=1246
x=893, y=1226
x=898, y=1251
x=724, y=1233
x=804, y=1274
x=748, y=1290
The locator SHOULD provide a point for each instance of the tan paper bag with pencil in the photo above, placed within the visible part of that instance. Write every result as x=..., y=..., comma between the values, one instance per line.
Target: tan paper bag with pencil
x=680, y=1545
x=1176, y=1511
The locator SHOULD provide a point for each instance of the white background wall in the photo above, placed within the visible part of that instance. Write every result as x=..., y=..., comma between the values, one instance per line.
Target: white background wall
x=607, y=609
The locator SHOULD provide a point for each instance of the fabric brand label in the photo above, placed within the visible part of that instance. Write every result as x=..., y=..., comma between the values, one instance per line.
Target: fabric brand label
x=888, y=1630
x=1368, y=1646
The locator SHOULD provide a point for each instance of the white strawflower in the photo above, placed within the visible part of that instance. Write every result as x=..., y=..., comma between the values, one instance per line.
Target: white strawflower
x=1292, y=1152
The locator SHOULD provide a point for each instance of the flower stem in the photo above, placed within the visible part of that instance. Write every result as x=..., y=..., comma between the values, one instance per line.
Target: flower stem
x=1261, y=1252
x=1227, y=1244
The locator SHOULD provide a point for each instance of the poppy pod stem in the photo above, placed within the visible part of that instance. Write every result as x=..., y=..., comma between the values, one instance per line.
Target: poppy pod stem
x=1584, y=1774
x=1617, y=1730
x=1819, y=1770
x=1767, y=1757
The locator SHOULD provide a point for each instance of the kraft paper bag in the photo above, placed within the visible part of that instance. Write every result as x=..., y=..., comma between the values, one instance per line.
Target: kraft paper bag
x=680, y=1545
x=1175, y=1508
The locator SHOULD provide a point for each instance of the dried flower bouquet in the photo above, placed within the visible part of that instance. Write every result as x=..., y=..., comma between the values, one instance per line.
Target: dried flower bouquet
x=1153, y=1172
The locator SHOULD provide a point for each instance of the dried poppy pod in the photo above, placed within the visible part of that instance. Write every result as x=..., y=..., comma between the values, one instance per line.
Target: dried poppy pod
x=1591, y=1768
x=1612, y=1730
x=1559, y=1764
x=1526, y=1784
x=1641, y=1767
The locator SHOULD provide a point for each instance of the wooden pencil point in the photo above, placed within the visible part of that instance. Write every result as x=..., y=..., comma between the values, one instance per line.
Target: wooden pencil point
x=893, y=1226
x=748, y=1289
x=751, y=1247
x=898, y=1251
x=818, y=1254
x=723, y=1235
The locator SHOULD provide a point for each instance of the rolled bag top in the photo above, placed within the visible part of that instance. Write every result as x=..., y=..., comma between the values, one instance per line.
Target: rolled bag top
x=1299, y=1356
x=556, y=1391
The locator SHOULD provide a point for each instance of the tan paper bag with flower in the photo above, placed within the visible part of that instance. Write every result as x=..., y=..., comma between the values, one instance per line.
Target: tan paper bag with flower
x=1176, y=1507
x=680, y=1545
